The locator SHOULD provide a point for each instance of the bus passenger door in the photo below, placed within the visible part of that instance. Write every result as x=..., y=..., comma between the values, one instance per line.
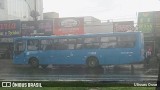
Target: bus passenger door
x=19, y=52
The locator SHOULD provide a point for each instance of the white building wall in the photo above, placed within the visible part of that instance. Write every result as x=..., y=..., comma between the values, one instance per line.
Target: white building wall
x=3, y=10
x=40, y=8
x=99, y=28
x=89, y=20
x=19, y=9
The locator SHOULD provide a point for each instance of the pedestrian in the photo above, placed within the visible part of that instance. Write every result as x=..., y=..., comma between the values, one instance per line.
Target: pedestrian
x=158, y=54
x=148, y=55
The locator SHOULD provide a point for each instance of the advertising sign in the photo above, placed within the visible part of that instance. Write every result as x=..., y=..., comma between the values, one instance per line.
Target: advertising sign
x=66, y=26
x=156, y=23
x=10, y=28
x=145, y=22
x=149, y=22
x=40, y=28
x=46, y=27
x=27, y=28
x=123, y=26
x=6, y=40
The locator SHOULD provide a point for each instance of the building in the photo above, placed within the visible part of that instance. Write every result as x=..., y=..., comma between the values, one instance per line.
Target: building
x=99, y=28
x=50, y=15
x=94, y=25
x=20, y=9
x=16, y=10
x=89, y=20
x=149, y=24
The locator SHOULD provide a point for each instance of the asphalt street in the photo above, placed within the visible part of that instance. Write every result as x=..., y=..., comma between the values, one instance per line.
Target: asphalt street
x=9, y=71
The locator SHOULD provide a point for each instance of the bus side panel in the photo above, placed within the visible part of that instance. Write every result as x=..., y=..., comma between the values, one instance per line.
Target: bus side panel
x=19, y=59
x=77, y=57
x=60, y=56
x=45, y=57
x=108, y=56
x=129, y=55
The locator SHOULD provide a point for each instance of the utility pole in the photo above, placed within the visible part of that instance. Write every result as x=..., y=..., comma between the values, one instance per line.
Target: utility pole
x=33, y=13
x=35, y=8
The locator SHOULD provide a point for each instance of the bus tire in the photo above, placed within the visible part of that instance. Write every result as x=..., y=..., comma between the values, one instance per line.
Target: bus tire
x=92, y=62
x=34, y=62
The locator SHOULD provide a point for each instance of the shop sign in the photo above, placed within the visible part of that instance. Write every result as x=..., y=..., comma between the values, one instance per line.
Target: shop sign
x=38, y=28
x=10, y=28
x=6, y=40
x=123, y=26
x=156, y=23
x=145, y=22
x=66, y=26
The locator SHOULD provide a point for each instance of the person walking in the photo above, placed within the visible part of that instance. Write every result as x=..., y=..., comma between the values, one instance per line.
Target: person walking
x=148, y=55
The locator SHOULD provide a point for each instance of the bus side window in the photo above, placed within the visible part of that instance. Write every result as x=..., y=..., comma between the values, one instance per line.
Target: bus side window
x=54, y=44
x=79, y=43
x=46, y=44
x=33, y=45
x=61, y=44
x=71, y=43
x=108, y=42
x=126, y=41
x=79, y=46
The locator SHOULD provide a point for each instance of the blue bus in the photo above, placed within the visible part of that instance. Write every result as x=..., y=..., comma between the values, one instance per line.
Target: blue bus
x=89, y=49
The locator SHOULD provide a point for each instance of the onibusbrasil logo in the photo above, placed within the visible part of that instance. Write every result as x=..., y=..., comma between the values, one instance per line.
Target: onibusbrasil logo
x=19, y=84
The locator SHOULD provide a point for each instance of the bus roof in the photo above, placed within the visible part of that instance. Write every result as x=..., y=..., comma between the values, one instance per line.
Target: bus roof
x=83, y=35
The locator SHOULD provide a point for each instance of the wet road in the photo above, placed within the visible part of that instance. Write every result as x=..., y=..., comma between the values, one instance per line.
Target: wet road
x=8, y=71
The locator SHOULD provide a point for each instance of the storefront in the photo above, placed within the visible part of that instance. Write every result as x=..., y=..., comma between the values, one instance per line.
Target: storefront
x=6, y=48
x=15, y=28
x=8, y=30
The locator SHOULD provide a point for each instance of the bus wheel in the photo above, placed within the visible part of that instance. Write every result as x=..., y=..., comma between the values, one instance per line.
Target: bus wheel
x=34, y=62
x=44, y=66
x=92, y=62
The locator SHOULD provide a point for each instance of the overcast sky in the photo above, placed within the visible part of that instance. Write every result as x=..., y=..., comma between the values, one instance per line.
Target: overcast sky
x=101, y=9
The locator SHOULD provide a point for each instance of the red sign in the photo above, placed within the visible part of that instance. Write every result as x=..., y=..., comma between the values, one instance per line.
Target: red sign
x=10, y=28
x=123, y=26
x=66, y=26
